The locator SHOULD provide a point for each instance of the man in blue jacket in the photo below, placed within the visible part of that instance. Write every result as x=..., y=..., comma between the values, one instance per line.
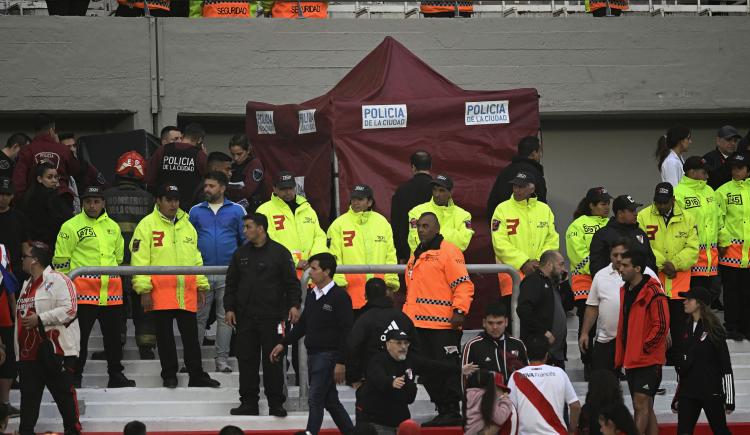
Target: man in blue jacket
x=218, y=222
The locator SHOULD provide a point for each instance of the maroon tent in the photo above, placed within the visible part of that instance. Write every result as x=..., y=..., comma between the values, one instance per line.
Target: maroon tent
x=388, y=106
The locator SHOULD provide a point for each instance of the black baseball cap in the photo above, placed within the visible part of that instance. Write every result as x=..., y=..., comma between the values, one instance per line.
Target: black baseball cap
x=168, y=191
x=6, y=185
x=694, y=162
x=624, y=202
x=396, y=334
x=443, y=181
x=663, y=192
x=361, y=191
x=93, y=192
x=597, y=194
x=285, y=179
x=739, y=159
x=728, y=132
x=523, y=178
x=698, y=293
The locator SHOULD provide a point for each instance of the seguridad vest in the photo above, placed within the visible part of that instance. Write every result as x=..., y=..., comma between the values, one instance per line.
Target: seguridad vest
x=734, y=221
x=434, y=7
x=578, y=243
x=699, y=200
x=290, y=9
x=228, y=9
x=163, y=5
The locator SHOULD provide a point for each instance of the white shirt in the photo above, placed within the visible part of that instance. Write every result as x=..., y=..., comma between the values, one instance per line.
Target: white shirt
x=605, y=294
x=671, y=168
x=320, y=292
x=555, y=385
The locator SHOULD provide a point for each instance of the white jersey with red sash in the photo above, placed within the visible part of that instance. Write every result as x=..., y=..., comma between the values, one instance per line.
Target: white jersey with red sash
x=541, y=393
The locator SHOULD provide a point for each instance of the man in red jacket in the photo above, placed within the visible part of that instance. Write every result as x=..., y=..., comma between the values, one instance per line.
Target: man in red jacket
x=641, y=337
x=45, y=146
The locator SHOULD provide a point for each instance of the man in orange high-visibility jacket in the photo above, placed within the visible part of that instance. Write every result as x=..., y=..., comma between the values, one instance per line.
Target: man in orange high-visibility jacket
x=439, y=294
x=291, y=8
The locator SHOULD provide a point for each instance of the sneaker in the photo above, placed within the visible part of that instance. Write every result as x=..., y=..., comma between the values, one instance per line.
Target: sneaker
x=99, y=355
x=119, y=380
x=446, y=419
x=735, y=335
x=277, y=411
x=245, y=409
x=146, y=352
x=204, y=381
x=170, y=382
x=222, y=366
x=13, y=412
x=208, y=341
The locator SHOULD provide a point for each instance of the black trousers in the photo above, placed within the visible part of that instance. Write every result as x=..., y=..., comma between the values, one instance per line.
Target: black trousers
x=67, y=7
x=736, y=283
x=690, y=409
x=677, y=322
x=441, y=345
x=32, y=379
x=580, y=311
x=255, y=340
x=109, y=321
x=603, y=356
x=126, y=11
x=188, y=326
x=143, y=322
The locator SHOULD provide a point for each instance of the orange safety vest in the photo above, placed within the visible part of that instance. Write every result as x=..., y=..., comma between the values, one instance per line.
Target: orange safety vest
x=152, y=4
x=290, y=9
x=227, y=9
x=701, y=267
x=436, y=283
x=613, y=4
x=89, y=290
x=436, y=7
x=506, y=283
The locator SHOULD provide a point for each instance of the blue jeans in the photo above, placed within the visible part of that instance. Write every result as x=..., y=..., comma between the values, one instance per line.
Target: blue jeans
x=323, y=394
x=223, y=330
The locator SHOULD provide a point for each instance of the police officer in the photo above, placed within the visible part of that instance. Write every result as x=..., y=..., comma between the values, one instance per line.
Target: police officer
x=91, y=238
x=247, y=183
x=417, y=190
x=262, y=292
x=183, y=164
x=362, y=236
x=455, y=222
x=522, y=229
x=167, y=238
x=127, y=203
x=439, y=294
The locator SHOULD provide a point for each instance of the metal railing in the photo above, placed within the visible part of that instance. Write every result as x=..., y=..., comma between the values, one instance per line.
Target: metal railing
x=478, y=269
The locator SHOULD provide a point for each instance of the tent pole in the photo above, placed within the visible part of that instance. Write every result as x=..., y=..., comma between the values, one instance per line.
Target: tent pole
x=336, y=193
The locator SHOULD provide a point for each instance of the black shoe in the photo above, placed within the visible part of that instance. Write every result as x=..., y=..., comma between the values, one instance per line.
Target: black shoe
x=204, y=381
x=120, y=381
x=208, y=342
x=735, y=335
x=15, y=385
x=277, y=411
x=446, y=419
x=170, y=382
x=13, y=412
x=661, y=391
x=77, y=382
x=146, y=352
x=183, y=369
x=99, y=355
x=245, y=409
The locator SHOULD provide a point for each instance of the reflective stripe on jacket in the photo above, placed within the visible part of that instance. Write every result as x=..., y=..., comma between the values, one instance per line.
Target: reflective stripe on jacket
x=84, y=241
x=433, y=7
x=437, y=283
x=734, y=222
x=158, y=241
x=362, y=238
x=699, y=200
x=676, y=242
x=455, y=223
x=578, y=243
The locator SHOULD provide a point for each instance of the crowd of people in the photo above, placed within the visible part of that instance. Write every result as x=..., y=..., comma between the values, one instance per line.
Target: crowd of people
x=643, y=283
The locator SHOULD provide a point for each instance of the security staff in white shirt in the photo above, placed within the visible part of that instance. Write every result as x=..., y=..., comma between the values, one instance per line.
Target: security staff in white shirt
x=603, y=307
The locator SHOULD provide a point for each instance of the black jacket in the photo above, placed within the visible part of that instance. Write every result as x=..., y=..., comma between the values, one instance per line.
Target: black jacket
x=127, y=204
x=502, y=189
x=382, y=404
x=46, y=211
x=261, y=283
x=719, y=172
x=706, y=369
x=416, y=191
x=603, y=239
x=503, y=355
x=536, y=305
x=368, y=335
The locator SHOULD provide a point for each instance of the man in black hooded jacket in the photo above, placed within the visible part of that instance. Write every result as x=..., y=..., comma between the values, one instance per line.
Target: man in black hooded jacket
x=624, y=225
x=527, y=160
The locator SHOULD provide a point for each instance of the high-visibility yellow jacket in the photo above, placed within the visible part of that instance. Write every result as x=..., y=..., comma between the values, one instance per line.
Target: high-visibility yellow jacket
x=521, y=231
x=157, y=241
x=362, y=238
x=699, y=200
x=84, y=241
x=455, y=223
x=578, y=244
x=676, y=242
x=734, y=222
x=299, y=232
